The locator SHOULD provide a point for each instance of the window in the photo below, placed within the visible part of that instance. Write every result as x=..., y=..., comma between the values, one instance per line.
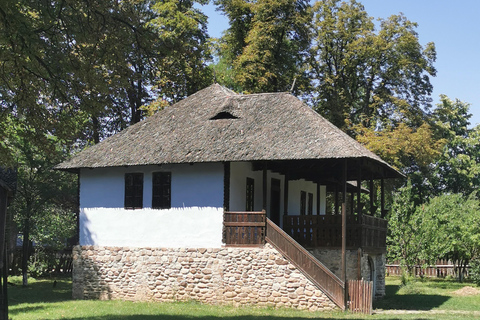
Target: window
x=161, y=190
x=133, y=190
x=303, y=202
x=250, y=194
x=310, y=204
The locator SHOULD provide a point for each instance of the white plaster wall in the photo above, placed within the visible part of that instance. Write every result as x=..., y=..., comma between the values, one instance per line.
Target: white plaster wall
x=191, y=227
x=294, y=189
x=239, y=171
x=199, y=185
x=195, y=219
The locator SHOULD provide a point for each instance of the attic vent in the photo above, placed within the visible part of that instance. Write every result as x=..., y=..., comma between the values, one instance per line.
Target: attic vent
x=223, y=115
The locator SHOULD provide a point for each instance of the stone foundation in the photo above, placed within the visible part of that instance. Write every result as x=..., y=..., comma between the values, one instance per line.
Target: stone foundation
x=238, y=276
x=370, y=268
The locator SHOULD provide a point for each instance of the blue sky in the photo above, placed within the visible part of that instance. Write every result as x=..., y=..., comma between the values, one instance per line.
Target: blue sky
x=454, y=27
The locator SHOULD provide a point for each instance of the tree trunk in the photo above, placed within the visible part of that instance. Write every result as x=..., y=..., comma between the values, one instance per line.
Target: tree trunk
x=25, y=251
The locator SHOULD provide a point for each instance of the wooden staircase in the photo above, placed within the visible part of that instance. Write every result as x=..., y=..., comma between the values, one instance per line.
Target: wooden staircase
x=313, y=269
x=246, y=229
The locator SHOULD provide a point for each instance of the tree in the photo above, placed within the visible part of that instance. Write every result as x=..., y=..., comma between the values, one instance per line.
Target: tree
x=451, y=229
x=404, y=239
x=43, y=196
x=359, y=76
x=82, y=70
x=266, y=43
x=458, y=168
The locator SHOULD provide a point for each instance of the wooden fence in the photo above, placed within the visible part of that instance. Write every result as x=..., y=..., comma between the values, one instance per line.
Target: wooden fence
x=441, y=269
x=360, y=296
x=313, y=269
x=244, y=228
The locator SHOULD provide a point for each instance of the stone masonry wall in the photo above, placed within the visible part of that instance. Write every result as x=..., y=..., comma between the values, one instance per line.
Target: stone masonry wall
x=238, y=276
x=332, y=259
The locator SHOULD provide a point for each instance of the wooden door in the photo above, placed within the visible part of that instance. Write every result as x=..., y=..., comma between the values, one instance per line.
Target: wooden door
x=275, y=201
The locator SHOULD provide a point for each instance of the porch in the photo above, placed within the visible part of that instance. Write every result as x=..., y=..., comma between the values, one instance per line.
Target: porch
x=310, y=231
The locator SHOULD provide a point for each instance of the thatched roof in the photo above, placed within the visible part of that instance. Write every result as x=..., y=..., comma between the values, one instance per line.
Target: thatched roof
x=216, y=124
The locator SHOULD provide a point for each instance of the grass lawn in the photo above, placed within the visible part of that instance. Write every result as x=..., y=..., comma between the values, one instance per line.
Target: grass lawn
x=430, y=299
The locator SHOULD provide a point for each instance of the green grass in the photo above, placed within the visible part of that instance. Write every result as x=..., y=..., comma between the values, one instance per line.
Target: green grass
x=432, y=299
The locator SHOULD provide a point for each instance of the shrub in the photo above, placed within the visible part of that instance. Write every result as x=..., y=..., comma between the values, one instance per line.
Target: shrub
x=475, y=270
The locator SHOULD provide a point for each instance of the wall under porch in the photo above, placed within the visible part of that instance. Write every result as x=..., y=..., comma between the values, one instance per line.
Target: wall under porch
x=237, y=276
x=371, y=267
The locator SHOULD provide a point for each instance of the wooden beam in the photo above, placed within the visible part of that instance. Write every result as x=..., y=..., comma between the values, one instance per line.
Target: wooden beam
x=226, y=186
x=382, y=198
x=285, y=195
x=264, y=205
x=372, y=199
x=359, y=190
x=318, y=198
x=344, y=231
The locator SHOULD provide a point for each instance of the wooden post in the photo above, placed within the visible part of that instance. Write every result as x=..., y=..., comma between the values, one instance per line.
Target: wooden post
x=336, y=200
x=382, y=198
x=285, y=196
x=226, y=186
x=359, y=190
x=264, y=205
x=344, y=231
x=372, y=199
x=352, y=203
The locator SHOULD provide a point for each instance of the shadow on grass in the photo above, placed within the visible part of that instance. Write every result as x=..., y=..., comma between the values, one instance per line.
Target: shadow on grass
x=186, y=317
x=40, y=291
x=414, y=301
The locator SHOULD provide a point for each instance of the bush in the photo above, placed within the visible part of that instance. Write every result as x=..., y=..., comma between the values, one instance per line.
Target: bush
x=475, y=270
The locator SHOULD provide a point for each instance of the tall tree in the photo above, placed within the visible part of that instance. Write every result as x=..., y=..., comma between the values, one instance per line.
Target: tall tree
x=85, y=68
x=42, y=194
x=360, y=76
x=266, y=43
x=457, y=170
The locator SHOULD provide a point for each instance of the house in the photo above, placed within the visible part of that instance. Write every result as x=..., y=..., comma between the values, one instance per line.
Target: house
x=228, y=198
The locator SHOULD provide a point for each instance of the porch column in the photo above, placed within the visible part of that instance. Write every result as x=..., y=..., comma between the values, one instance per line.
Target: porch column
x=372, y=199
x=382, y=198
x=359, y=190
x=336, y=199
x=344, y=231
x=285, y=196
x=264, y=205
x=226, y=186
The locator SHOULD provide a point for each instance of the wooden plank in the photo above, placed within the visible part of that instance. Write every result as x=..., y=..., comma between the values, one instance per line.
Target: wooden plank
x=244, y=224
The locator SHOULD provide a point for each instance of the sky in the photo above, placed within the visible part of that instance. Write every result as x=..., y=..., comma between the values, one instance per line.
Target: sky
x=454, y=27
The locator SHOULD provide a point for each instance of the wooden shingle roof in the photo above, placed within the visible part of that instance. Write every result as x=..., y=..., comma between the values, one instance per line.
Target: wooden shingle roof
x=216, y=124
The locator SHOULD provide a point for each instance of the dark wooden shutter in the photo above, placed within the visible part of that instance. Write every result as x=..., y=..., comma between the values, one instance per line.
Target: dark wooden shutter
x=133, y=190
x=161, y=190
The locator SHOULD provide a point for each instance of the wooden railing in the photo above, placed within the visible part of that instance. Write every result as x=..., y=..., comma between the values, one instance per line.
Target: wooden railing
x=313, y=269
x=326, y=231
x=244, y=228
